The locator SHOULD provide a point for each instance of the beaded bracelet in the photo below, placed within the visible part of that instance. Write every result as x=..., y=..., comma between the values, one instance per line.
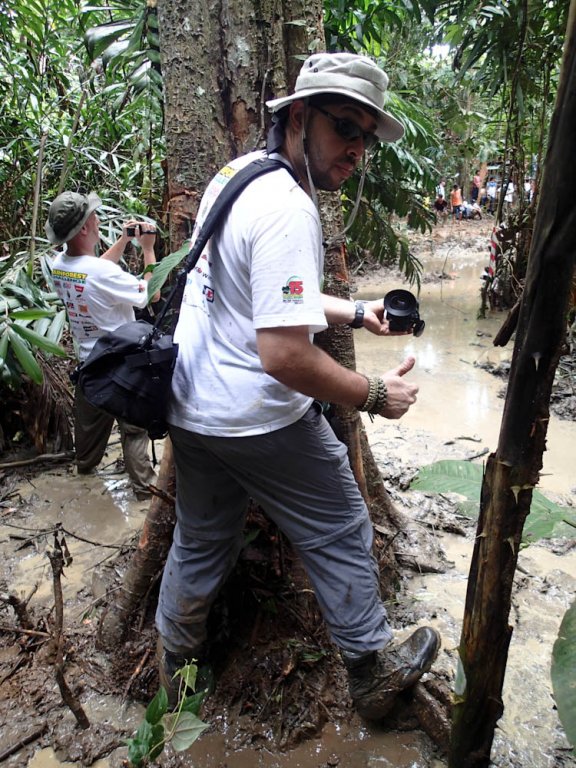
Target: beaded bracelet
x=377, y=396
x=381, y=397
x=370, y=401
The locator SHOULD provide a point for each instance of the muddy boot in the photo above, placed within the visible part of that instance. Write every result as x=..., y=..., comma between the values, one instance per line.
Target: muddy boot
x=375, y=679
x=169, y=663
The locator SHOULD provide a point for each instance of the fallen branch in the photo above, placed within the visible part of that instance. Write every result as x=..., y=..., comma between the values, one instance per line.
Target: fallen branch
x=31, y=632
x=35, y=459
x=56, y=557
x=135, y=674
x=23, y=742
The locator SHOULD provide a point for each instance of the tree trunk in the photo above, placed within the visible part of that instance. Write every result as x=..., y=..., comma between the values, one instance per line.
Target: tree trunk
x=147, y=562
x=513, y=471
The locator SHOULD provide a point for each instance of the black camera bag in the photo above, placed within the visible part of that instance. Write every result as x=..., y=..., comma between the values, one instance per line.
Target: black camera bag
x=128, y=373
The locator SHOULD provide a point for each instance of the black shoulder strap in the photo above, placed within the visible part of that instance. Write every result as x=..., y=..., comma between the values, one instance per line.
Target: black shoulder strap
x=229, y=193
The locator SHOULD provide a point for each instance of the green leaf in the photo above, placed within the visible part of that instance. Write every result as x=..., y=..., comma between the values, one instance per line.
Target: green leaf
x=563, y=673
x=157, y=741
x=188, y=673
x=157, y=707
x=193, y=703
x=39, y=341
x=31, y=314
x=163, y=269
x=449, y=476
x=97, y=39
x=546, y=519
x=26, y=296
x=147, y=744
x=137, y=751
x=54, y=333
x=3, y=347
x=183, y=729
x=144, y=734
x=25, y=357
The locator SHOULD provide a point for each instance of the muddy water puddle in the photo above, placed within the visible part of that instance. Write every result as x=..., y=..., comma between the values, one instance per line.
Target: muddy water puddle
x=457, y=397
x=457, y=415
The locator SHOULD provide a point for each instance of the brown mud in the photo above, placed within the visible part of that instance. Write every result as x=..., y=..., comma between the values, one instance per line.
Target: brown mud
x=280, y=703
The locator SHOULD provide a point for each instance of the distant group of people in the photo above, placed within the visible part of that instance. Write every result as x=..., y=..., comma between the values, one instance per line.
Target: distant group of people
x=483, y=198
x=456, y=206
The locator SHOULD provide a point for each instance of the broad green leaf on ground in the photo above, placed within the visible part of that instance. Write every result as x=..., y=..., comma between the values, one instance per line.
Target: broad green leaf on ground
x=546, y=519
x=563, y=673
x=183, y=729
x=157, y=707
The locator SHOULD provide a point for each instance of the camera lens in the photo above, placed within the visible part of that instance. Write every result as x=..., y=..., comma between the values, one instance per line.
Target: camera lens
x=400, y=303
x=402, y=312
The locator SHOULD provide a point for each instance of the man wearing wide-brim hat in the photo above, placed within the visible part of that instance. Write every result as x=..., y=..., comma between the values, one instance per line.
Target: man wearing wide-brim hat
x=99, y=296
x=246, y=420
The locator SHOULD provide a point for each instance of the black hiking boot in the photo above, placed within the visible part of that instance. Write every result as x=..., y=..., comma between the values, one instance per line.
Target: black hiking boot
x=375, y=679
x=169, y=663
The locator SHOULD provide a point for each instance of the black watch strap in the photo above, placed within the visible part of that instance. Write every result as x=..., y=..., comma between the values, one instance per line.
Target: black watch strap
x=358, y=321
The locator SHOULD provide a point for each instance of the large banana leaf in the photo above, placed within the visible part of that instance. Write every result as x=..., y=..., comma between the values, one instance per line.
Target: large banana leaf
x=563, y=673
x=36, y=340
x=163, y=269
x=546, y=519
x=31, y=319
x=25, y=357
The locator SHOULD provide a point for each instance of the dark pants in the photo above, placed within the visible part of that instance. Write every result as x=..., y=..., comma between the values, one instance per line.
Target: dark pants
x=92, y=429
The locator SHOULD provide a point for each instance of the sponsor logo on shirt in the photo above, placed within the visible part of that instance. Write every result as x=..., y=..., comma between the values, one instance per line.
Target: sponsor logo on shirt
x=293, y=290
x=73, y=276
x=208, y=292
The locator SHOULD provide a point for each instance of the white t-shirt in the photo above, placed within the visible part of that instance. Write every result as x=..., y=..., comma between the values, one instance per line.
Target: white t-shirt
x=261, y=269
x=98, y=295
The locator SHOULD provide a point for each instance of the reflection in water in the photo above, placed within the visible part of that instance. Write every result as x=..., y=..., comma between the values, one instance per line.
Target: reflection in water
x=456, y=396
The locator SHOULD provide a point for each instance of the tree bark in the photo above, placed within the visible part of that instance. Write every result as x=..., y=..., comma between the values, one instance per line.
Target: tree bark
x=147, y=562
x=513, y=471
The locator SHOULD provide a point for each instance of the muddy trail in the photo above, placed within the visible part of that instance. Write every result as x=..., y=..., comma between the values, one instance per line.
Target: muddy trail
x=279, y=703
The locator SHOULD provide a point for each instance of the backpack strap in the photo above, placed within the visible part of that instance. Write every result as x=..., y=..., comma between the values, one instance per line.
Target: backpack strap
x=229, y=193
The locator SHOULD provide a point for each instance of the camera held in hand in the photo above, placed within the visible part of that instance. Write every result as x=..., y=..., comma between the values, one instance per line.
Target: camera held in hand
x=131, y=231
x=401, y=311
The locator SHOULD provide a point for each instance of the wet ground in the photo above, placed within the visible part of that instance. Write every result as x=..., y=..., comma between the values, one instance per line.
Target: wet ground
x=457, y=416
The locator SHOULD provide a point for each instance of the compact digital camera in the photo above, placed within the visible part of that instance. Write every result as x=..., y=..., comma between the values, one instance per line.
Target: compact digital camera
x=131, y=231
x=401, y=311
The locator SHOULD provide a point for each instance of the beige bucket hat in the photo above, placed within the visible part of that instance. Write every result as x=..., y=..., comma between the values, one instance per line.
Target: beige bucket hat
x=348, y=75
x=67, y=215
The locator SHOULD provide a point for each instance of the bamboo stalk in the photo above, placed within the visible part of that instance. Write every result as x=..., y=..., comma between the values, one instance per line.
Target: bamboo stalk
x=36, y=204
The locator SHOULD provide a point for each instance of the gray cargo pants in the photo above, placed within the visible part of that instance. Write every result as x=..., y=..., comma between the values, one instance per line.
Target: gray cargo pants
x=300, y=475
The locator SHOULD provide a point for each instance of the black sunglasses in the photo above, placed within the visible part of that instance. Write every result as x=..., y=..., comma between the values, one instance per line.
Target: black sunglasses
x=349, y=130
